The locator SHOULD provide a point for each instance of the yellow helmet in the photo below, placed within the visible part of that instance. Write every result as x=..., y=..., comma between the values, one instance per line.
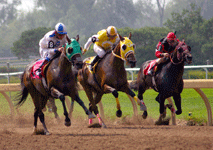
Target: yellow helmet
x=112, y=31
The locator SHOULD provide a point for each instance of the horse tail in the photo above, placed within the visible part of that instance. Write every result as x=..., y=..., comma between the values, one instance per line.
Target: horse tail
x=22, y=95
x=134, y=85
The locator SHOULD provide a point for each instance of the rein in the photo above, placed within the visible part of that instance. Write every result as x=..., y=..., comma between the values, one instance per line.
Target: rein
x=174, y=62
x=118, y=56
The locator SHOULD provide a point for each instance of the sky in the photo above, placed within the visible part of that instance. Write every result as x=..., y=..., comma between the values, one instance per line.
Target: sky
x=27, y=5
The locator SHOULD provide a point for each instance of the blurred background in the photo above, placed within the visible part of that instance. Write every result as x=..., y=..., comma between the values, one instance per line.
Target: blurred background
x=24, y=22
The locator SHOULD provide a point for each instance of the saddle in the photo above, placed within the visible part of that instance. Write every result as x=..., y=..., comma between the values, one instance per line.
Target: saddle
x=35, y=67
x=149, y=66
x=90, y=59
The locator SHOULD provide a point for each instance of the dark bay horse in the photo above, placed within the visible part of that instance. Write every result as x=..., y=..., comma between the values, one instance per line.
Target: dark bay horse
x=77, y=63
x=109, y=76
x=60, y=82
x=167, y=81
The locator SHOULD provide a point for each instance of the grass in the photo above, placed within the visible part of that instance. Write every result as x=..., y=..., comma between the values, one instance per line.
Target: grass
x=191, y=102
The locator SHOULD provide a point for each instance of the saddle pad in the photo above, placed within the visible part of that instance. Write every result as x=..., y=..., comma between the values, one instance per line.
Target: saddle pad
x=89, y=60
x=37, y=64
x=149, y=66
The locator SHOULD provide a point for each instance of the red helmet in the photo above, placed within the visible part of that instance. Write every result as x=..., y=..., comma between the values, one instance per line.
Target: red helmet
x=171, y=36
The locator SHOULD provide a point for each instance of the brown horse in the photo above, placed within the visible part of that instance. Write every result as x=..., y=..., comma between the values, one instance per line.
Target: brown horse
x=109, y=76
x=59, y=82
x=167, y=81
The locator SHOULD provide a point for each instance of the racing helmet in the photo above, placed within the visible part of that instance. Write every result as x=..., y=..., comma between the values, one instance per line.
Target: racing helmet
x=60, y=28
x=112, y=31
x=171, y=36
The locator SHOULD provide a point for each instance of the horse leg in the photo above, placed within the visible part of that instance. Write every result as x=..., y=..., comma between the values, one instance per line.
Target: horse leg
x=56, y=94
x=41, y=117
x=177, y=99
x=35, y=121
x=141, y=90
x=97, y=98
x=54, y=108
x=161, y=100
x=81, y=103
x=108, y=89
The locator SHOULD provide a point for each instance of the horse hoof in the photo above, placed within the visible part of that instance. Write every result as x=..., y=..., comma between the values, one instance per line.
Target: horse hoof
x=178, y=112
x=145, y=114
x=158, y=122
x=91, y=116
x=119, y=113
x=47, y=133
x=67, y=123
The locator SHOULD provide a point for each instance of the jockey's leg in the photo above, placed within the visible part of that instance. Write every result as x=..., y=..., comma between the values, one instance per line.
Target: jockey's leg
x=100, y=54
x=44, y=62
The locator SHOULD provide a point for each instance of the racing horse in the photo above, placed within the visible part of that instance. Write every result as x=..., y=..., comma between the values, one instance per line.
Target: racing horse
x=109, y=76
x=167, y=80
x=59, y=82
x=77, y=63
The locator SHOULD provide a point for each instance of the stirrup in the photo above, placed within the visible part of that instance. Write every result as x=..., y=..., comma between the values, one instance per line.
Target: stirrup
x=151, y=72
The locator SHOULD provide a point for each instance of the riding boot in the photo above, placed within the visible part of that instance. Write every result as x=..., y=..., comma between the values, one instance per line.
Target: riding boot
x=151, y=71
x=38, y=71
x=94, y=61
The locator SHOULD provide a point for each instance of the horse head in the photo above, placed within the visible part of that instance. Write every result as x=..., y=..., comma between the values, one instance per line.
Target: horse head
x=183, y=52
x=73, y=52
x=127, y=51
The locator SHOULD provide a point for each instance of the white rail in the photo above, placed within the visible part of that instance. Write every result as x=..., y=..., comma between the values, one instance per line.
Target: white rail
x=131, y=70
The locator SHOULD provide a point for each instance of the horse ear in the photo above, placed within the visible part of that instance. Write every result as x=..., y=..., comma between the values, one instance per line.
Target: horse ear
x=183, y=40
x=130, y=35
x=77, y=38
x=121, y=38
x=68, y=39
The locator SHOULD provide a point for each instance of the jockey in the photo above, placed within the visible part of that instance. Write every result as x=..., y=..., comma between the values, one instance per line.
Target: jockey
x=103, y=41
x=164, y=48
x=51, y=44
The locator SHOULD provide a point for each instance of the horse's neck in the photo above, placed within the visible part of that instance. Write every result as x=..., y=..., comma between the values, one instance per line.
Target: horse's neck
x=64, y=63
x=118, y=62
x=176, y=70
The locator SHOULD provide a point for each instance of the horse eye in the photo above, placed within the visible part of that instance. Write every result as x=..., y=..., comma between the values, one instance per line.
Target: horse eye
x=70, y=50
x=123, y=47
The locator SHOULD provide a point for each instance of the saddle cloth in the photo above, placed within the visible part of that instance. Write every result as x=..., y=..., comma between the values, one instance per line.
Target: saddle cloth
x=149, y=66
x=34, y=74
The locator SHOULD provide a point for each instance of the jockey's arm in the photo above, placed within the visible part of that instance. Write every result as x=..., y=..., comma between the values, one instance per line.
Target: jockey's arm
x=91, y=40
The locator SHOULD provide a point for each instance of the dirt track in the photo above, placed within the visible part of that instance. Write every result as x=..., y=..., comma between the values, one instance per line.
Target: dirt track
x=119, y=135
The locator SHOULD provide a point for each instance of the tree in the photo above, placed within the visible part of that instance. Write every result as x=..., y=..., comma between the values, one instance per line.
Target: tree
x=8, y=11
x=28, y=44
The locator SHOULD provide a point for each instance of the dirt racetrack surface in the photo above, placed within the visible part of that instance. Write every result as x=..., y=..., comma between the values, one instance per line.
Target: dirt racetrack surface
x=119, y=135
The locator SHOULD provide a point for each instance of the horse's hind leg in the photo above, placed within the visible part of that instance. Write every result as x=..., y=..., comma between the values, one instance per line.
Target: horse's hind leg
x=56, y=94
x=97, y=99
x=54, y=108
x=141, y=90
x=38, y=113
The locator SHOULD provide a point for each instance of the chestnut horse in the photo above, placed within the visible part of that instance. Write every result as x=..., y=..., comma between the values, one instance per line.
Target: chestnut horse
x=167, y=81
x=59, y=82
x=109, y=76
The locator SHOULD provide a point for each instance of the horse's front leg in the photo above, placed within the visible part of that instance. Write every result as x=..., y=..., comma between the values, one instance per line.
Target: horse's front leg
x=161, y=99
x=109, y=89
x=56, y=94
x=177, y=99
x=81, y=103
x=140, y=102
